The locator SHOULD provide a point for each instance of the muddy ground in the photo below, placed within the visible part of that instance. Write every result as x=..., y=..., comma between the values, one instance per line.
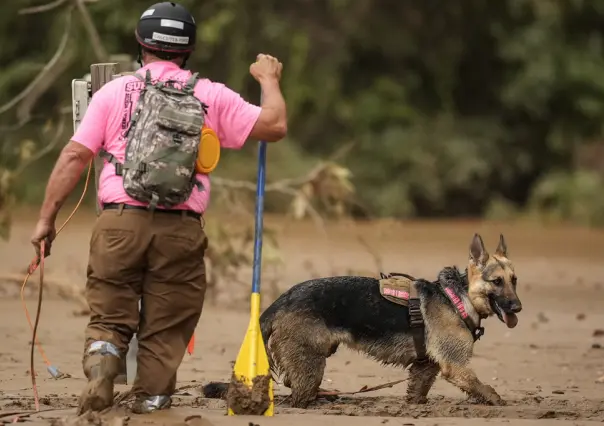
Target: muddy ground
x=546, y=368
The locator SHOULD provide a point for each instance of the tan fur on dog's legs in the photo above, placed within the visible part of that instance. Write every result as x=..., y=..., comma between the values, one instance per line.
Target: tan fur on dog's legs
x=421, y=378
x=301, y=367
x=465, y=379
x=305, y=373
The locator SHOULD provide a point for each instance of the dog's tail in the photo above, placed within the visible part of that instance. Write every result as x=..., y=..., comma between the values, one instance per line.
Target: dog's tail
x=215, y=390
x=219, y=390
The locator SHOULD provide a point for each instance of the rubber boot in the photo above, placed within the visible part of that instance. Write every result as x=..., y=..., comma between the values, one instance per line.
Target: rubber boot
x=146, y=405
x=101, y=366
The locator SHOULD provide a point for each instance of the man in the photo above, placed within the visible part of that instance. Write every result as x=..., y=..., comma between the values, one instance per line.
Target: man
x=152, y=255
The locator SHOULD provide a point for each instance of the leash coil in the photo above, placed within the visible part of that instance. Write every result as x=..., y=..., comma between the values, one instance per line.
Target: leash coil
x=38, y=263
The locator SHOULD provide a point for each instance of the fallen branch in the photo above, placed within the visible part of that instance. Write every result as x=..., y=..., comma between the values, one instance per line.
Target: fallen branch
x=370, y=389
x=363, y=389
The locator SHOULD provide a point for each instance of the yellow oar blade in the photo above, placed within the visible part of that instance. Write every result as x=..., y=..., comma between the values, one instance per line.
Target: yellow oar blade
x=252, y=360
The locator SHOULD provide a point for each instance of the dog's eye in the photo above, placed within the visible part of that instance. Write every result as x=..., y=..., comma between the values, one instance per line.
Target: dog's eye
x=514, y=280
x=498, y=281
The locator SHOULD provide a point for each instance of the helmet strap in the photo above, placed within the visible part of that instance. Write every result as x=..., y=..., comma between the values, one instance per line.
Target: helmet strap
x=184, y=61
x=139, y=57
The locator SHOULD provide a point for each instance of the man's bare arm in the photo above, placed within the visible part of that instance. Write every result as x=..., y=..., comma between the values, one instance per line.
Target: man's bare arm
x=64, y=177
x=272, y=122
x=271, y=125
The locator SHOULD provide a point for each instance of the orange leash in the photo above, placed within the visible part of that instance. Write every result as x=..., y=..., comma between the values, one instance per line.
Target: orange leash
x=39, y=262
x=35, y=328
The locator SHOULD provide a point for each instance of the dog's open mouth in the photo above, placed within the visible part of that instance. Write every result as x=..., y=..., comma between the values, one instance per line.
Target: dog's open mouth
x=509, y=318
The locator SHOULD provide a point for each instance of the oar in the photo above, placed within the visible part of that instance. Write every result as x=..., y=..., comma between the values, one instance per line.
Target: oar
x=252, y=360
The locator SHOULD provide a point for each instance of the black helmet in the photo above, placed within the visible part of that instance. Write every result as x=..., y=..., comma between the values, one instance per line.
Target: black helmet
x=167, y=27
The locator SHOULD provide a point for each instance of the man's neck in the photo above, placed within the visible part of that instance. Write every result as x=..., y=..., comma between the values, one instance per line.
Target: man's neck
x=151, y=60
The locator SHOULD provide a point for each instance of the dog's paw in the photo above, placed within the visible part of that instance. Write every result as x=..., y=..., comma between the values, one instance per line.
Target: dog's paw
x=498, y=402
x=413, y=399
x=493, y=398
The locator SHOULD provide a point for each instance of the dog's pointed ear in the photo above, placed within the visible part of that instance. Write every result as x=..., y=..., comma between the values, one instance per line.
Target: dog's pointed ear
x=502, y=248
x=478, y=253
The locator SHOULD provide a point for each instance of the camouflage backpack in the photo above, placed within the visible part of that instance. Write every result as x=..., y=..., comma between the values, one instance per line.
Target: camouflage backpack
x=162, y=144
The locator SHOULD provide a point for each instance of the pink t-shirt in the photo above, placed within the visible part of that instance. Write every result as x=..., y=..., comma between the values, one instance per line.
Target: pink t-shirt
x=108, y=118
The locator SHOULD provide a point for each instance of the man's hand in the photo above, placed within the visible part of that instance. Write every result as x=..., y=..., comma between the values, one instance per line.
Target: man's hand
x=266, y=68
x=271, y=125
x=45, y=231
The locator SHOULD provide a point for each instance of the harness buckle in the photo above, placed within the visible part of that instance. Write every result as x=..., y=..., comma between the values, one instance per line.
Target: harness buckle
x=478, y=333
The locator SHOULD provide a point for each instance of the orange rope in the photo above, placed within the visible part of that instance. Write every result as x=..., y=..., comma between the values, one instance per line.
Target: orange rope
x=35, y=328
x=32, y=267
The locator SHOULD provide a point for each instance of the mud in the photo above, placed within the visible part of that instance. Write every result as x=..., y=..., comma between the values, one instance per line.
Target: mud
x=243, y=400
x=549, y=368
x=91, y=418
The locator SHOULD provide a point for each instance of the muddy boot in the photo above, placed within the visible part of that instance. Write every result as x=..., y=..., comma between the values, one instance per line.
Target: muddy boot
x=145, y=405
x=101, y=367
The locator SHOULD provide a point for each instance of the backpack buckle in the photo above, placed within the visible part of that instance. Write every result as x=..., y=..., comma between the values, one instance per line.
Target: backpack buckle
x=142, y=167
x=119, y=169
x=176, y=137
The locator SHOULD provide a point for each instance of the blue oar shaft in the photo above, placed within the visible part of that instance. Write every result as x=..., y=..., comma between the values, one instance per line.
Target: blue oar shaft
x=259, y=216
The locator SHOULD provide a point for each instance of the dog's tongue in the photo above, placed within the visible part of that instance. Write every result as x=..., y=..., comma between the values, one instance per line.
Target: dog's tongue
x=510, y=319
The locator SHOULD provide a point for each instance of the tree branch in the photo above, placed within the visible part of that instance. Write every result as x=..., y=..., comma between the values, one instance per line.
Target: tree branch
x=28, y=104
x=43, y=8
x=45, y=71
x=47, y=7
x=47, y=149
x=93, y=34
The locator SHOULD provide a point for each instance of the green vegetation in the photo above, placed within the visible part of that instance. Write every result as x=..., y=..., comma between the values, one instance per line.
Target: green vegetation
x=450, y=108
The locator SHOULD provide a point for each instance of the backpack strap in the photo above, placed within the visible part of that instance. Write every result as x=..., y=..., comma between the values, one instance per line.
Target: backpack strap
x=147, y=79
x=119, y=167
x=191, y=83
x=154, y=200
x=197, y=184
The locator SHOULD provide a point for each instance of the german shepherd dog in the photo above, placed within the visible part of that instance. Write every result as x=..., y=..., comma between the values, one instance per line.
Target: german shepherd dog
x=307, y=323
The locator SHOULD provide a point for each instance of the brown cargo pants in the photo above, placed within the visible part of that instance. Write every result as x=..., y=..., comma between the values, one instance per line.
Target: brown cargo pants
x=157, y=258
